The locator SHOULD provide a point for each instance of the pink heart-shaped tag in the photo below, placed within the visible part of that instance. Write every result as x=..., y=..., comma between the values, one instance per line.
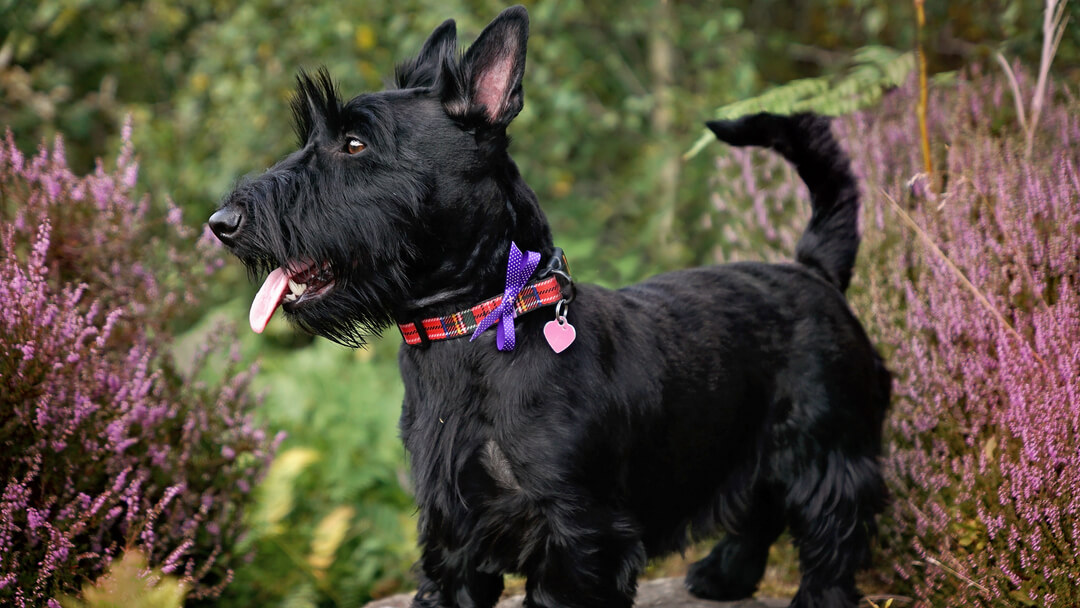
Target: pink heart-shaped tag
x=559, y=336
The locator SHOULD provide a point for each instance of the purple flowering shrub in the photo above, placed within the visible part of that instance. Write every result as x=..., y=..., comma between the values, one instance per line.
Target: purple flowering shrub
x=984, y=334
x=982, y=329
x=105, y=442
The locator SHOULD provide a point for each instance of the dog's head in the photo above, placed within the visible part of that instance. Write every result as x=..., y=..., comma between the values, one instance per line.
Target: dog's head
x=392, y=197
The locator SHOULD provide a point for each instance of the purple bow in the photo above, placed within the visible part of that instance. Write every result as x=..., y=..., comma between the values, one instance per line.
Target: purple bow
x=518, y=270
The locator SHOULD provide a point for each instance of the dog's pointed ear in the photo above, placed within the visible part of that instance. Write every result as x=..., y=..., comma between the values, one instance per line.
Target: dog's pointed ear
x=493, y=68
x=316, y=105
x=439, y=49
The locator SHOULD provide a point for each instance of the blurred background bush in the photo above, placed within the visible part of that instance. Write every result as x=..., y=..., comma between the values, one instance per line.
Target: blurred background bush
x=615, y=94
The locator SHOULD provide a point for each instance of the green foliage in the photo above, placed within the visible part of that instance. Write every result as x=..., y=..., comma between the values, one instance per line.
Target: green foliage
x=129, y=583
x=332, y=524
x=207, y=81
x=77, y=66
x=876, y=70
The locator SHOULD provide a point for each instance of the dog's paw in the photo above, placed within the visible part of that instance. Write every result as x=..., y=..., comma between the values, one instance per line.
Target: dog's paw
x=829, y=597
x=708, y=582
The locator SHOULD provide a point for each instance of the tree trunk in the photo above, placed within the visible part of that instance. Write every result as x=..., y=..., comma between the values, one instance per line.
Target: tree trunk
x=662, y=76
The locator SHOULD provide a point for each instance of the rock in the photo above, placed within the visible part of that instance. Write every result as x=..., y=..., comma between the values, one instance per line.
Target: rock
x=670, y=593
x=659, y=593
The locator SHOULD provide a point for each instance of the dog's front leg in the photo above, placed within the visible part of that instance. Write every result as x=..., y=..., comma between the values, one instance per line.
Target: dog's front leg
x=589, y=561
x=443, y=586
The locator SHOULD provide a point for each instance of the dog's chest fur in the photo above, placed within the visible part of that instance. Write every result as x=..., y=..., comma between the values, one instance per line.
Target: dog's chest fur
x=465, y=424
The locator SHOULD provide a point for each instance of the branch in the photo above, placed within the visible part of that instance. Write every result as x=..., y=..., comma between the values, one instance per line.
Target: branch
x=963, y=279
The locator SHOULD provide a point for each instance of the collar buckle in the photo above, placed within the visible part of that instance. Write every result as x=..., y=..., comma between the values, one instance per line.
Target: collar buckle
x=560, y=267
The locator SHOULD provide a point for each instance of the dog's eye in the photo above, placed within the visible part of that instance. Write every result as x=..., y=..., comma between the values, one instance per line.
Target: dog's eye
x=354, y=146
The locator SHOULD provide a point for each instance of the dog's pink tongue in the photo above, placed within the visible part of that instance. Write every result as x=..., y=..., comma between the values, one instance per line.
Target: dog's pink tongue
x=267, y=300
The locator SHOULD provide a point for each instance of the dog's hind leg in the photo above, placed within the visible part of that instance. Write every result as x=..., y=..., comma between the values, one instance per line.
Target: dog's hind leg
x=831, y=510
x=733, y=568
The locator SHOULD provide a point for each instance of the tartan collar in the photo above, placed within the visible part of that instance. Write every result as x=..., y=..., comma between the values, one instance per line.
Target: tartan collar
x=546, y=290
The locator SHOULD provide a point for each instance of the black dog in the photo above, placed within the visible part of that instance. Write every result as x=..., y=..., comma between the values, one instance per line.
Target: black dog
x=743, y=397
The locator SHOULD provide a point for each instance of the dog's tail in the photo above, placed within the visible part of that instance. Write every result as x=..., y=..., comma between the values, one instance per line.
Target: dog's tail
x=831, y=241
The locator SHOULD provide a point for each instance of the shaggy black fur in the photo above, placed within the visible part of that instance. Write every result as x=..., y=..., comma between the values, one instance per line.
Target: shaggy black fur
x=745, y=398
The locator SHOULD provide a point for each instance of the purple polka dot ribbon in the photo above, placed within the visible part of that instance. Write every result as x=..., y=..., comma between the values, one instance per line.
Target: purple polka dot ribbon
x=518, y=270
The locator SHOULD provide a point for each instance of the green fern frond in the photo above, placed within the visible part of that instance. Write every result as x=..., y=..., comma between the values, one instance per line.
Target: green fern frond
x=130, y=583
x=875, y=70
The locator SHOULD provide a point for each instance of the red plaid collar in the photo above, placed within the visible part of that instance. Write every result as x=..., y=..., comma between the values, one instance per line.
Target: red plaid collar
x=540, y=293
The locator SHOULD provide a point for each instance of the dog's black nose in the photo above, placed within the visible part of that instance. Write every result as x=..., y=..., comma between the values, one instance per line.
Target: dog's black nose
x=226, y=223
